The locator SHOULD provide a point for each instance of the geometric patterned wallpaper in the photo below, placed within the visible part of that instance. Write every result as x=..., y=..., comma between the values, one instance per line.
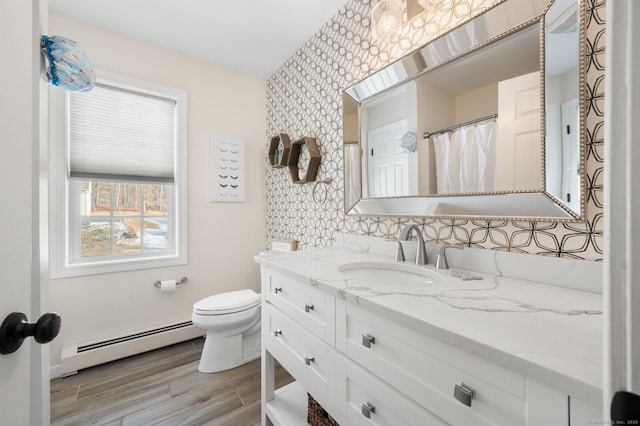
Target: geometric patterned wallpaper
x=304, y=98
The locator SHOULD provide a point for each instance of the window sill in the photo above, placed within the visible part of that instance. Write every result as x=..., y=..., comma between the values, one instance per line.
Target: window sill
x=114, y=266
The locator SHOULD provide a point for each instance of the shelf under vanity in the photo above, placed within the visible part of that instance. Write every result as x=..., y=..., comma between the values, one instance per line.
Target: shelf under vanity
x=289, y=405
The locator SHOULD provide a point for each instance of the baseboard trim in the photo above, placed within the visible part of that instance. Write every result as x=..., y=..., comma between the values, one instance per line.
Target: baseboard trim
x=55, y=371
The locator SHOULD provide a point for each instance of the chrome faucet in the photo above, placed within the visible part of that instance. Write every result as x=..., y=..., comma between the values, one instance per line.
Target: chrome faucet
x=421, y=255
x=441, y=261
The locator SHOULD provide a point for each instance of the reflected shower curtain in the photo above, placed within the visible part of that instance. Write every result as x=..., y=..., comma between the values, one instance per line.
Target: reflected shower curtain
x=469, y=167
x=353, y=180
x=447, y=163
x=466, y=159
x=487, y=142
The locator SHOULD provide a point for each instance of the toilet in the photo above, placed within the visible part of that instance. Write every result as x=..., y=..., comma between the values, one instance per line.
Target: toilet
x=232, y=323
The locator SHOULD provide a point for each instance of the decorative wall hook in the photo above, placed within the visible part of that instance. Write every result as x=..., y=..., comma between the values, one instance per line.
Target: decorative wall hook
x=321, y=199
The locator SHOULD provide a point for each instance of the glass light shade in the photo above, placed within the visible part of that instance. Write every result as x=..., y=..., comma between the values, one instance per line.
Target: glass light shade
x=386, y=20
x=426, y=4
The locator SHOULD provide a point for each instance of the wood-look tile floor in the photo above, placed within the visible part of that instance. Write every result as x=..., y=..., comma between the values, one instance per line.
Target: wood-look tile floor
x=161, y=387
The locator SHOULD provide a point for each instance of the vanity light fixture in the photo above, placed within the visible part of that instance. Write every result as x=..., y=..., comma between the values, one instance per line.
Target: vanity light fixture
x=427, y=4
x=388, y=16
x=386, y=20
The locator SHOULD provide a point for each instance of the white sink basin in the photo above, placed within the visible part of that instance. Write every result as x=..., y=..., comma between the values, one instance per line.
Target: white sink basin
x=387, y=273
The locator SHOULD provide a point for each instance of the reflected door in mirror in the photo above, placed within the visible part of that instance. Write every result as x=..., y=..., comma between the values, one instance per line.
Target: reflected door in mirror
x=389, y=164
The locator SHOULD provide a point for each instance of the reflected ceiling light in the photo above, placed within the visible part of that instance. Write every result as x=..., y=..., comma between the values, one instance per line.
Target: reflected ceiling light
x=386, y=20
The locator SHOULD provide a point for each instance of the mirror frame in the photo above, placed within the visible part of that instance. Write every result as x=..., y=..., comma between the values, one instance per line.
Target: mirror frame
x=538, y=205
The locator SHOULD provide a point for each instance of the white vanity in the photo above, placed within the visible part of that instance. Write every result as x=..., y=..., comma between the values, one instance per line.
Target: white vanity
x=431, y=348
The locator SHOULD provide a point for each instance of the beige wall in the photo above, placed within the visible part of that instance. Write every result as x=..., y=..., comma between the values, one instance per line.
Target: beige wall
x=223, y=238
x=477, y=103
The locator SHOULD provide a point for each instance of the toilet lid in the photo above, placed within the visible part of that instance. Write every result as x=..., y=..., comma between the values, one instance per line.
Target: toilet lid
x=225, y=303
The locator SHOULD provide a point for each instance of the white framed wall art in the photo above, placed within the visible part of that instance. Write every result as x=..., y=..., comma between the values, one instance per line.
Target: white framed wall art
x=226, y=168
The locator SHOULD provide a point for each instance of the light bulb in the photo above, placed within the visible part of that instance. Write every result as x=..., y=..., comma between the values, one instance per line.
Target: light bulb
x=388, y=24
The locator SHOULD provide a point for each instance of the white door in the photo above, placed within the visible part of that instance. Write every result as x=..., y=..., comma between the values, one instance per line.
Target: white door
x=24, y=389
x=519, y=151
x=622, y=210
x=388, y=162
x=571, y=154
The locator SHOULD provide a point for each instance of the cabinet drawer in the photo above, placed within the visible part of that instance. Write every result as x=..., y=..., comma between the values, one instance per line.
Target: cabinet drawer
x=427, y=371
x=367, y=401
x=312, y=308
x=302, y=355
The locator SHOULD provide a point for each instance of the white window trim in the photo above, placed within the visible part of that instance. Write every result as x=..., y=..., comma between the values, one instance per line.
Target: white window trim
x=60, y=226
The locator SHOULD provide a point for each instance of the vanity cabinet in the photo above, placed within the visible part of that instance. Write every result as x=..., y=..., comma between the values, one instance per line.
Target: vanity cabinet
x=366, y=369
x=308, y=306
x=363, y=399
x=430, y=371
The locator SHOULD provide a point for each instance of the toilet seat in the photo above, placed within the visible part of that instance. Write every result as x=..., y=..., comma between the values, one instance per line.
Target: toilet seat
x=227, y=303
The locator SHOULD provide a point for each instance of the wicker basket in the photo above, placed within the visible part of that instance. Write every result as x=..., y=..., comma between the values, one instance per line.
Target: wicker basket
x=317, y=416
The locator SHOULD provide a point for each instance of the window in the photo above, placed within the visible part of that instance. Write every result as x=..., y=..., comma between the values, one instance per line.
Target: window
x=117, y=218
x=118, y=195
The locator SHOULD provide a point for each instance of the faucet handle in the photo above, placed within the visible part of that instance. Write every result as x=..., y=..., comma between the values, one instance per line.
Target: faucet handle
x=441, y=261
x=399, y=257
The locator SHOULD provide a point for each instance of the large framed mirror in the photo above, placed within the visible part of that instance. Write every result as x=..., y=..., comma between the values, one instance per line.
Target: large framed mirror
x=485, y=121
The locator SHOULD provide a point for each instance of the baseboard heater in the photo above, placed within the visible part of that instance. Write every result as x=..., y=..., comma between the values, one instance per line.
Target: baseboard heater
x=83, y=355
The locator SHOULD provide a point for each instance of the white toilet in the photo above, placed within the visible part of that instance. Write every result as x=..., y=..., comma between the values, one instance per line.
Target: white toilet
x=232, y=323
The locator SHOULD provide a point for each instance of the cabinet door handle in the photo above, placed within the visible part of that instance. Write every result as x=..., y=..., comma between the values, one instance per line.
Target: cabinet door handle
x=367, y=409
x=277, y=290
x=368, y=340
x=464, y=394
x=308, y=359
x=308, y=308
x=277, y=332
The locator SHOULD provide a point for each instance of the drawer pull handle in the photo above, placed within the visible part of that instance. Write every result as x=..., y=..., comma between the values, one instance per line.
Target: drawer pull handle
x=367, y=409
x=278, y=290
x=309, y=359
x=308, y=308
x=368, y=340
x=277, y=332
x=464, y=394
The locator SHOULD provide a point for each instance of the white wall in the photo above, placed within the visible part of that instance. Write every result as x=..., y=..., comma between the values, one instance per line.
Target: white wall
x=223, y=238
x=393, y=108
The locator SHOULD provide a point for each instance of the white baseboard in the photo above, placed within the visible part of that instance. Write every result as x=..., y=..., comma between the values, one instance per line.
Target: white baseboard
x=73, y=360
x=55, y=371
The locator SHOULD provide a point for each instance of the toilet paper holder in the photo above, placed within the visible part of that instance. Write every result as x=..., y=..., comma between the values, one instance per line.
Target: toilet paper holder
x=182, y=280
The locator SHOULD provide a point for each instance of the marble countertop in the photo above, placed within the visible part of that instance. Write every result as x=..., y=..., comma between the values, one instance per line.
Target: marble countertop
x=549, y=333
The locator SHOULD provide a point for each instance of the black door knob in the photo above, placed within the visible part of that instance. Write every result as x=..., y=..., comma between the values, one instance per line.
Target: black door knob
x=15, y=328
x=625, y=408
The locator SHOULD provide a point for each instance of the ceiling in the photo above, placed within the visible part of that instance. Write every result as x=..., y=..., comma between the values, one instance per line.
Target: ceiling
x=255, y=36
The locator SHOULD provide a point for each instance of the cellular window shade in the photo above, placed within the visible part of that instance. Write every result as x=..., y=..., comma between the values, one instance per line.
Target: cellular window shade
x=119, y=135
